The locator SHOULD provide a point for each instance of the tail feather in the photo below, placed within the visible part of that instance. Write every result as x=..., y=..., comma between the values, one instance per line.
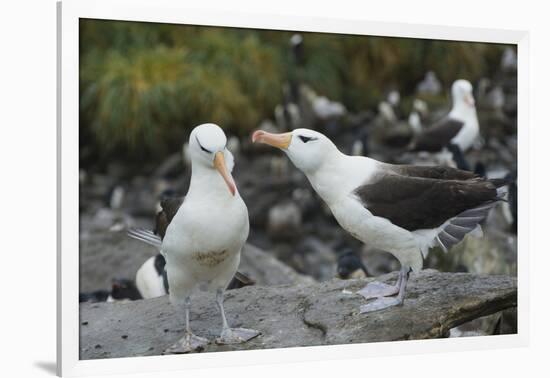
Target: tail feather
x=499, y=182
x=146, y=236
x=463, y=224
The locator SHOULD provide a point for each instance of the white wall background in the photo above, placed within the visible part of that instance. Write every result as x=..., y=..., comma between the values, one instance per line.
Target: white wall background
x=27, y=185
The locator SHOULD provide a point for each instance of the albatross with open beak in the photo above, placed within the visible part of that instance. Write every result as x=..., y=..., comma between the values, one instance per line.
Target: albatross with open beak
x=202, y=244
x=401, y=209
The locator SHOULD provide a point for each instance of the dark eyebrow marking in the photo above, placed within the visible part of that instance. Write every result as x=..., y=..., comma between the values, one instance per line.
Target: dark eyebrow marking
x=306, y=139
x=200, y=145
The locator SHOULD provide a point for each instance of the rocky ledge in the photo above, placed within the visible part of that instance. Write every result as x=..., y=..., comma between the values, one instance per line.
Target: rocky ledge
x=303, y=314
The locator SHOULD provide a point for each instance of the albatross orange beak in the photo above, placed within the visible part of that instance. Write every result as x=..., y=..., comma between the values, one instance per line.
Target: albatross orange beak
x=219, y=164
x=469, y=99
x=281, y=141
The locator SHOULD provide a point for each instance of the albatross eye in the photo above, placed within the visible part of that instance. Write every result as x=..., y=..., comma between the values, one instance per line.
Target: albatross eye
x=306, y=139
x=202, y=148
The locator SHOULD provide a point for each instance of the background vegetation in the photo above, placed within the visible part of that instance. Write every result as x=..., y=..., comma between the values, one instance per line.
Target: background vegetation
x=143, y=86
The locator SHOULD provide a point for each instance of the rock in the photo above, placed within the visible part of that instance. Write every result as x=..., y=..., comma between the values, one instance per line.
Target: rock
x=284, y=221
x=494, y=253
x=298, y=315
x=318, y=260
x=107, y=219
x=379, y=262
x=266, y=270
x=279, y=166
x=107, y=255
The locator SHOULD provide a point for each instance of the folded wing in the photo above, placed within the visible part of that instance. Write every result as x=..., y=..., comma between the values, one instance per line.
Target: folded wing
x=438, y=136
x=426, y=198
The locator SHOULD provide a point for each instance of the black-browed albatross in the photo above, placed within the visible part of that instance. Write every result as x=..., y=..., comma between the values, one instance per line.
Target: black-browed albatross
x=203, y=241
x=401, y=209
x=457, y=131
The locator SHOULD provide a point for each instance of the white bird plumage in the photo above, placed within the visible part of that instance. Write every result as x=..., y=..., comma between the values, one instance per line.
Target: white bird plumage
x=203, y=242
x=464, y=110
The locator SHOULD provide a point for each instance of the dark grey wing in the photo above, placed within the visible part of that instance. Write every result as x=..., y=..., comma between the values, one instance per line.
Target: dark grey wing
x=170, y=207
x=437, y=136
x=433, y=172
x=415, y=203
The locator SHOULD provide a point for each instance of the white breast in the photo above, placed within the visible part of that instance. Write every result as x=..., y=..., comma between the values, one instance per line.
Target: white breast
x=469, y=132
x=203, y=242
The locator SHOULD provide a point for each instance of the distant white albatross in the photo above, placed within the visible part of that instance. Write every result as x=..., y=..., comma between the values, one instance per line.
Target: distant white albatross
x=203, y=241
x=401, y=209
x=457, y=131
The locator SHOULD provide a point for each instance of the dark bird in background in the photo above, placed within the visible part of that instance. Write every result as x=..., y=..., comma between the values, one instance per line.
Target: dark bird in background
x=124, y=288
x=457, y=131
x=350, y=265
x=121, y=289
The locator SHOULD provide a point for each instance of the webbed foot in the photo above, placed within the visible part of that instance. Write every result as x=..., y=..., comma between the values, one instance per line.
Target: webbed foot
x=378, y=289
x=188, y=343
x=236, y=335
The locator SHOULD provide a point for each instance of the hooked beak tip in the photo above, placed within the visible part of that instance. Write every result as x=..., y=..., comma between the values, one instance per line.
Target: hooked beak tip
x=281, y=141
x=256, y=135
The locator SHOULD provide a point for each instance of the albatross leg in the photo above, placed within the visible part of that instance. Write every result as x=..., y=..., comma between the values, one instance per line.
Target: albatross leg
x=189, y=342
x=232, y=335
x=385, y=302
x=458, y=157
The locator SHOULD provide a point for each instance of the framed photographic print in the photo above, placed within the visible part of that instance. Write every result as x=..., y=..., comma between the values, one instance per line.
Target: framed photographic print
x=264, y=189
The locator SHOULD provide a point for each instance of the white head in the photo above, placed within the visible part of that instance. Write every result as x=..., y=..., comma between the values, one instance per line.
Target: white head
x=207, y=149
x=307, y=149
x=462, y=93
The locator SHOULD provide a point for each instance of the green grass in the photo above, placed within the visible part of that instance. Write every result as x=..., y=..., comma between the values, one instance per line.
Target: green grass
x=143, y=86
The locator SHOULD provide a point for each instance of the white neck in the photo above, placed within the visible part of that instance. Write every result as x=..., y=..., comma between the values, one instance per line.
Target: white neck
x=207, y=181
x=340, y=174
x=463, y=111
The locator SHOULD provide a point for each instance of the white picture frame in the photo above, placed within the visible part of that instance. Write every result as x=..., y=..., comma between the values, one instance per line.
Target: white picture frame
x=172, y=11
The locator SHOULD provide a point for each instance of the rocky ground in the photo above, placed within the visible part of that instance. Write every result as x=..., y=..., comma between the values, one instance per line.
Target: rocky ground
x=297, y=315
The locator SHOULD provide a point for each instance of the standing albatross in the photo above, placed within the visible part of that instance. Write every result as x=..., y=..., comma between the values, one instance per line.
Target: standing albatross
x=457, y=131
x=203, y=241
x=401, y=209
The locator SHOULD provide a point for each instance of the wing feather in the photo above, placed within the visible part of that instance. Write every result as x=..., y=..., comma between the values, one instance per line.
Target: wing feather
x=415, y=203
x=437, y=136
